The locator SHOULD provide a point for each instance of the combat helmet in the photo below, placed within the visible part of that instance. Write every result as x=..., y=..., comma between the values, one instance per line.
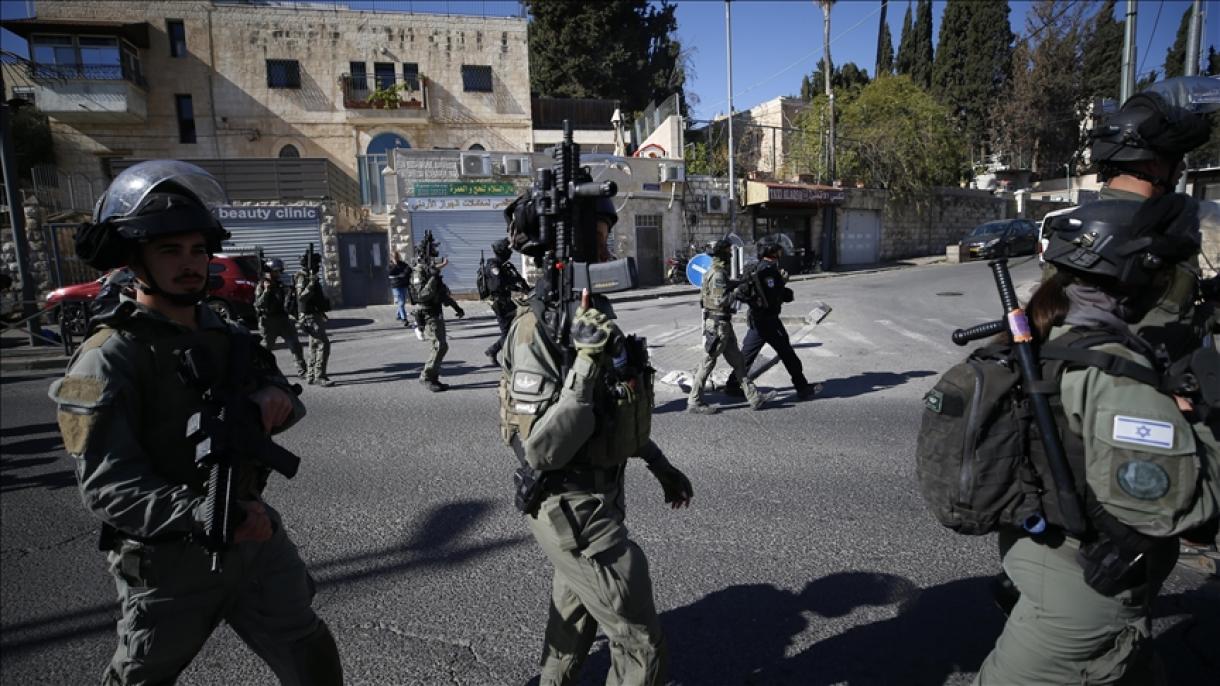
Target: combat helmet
x=273, y=264
x=501, y=249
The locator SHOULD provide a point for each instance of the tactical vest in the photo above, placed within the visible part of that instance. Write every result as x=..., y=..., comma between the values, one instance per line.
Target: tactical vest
x=713, y=289
x=622, y=404
x=425, y=287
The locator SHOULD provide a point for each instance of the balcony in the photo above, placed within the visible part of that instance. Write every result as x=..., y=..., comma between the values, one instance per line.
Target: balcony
x=90, y=93
x=385, y=96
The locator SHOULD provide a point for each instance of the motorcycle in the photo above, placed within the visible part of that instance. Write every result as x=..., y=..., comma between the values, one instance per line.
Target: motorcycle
x=675, y=267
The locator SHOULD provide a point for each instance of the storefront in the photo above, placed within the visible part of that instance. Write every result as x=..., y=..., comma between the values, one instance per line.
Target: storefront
x=792, y=210
x=465, y=218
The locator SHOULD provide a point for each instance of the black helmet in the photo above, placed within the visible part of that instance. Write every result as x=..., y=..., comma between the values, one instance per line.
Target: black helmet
x=720, y=248
x=427, y=248
x=1164, y=122
x=148, y=200
x=502, y=249
x=769, y=246
x=1125, y=242
x=273, y=264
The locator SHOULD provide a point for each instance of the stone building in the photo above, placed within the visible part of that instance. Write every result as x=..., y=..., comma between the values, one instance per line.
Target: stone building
x=223, y=80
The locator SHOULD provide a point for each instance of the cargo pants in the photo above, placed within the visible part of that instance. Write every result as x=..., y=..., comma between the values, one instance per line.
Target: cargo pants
x=725, y=345
x=610, y=588
x=274, y=327
x=434, y=329
x=1062, y=631
x=319, y=345
x=171, y=602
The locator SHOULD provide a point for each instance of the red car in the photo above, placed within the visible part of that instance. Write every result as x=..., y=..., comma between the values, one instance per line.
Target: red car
x=231, y=282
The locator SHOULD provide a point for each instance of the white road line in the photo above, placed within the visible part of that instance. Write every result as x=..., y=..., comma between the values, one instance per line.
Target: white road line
x=853, y=336
x=909, y=334
x=674, y=335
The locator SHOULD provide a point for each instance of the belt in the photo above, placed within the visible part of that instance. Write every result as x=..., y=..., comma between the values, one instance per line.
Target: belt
x=588, y=479
x=717, y=317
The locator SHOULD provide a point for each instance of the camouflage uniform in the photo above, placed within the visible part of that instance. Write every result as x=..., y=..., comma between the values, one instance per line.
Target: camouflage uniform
x=275, y=323
x=719, y=338
x=313, y=323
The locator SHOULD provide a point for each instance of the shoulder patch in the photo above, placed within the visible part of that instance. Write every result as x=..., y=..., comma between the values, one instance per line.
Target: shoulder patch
x=1137, y=431
x=97, y=340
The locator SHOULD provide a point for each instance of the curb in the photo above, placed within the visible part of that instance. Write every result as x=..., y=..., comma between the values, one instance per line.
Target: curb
x=34, y=364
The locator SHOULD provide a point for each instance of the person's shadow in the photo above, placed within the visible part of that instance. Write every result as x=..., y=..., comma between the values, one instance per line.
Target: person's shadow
x=868, y=382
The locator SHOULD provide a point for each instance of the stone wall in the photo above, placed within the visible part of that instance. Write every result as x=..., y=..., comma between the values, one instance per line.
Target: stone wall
x=39, y=255
x=927, y=226
x=238, y=115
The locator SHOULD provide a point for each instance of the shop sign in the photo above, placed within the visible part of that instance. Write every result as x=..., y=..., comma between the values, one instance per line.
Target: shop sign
x=436, y=189
x=802, y=195
x=456, y=204
x=268, y=214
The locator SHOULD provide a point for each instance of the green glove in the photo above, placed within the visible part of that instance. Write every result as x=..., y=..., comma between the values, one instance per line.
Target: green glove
x=590, y=332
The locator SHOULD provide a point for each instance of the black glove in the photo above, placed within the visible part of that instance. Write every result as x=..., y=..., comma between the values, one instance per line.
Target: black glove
x=788, y=295
x=459, y=312
x=677, y=488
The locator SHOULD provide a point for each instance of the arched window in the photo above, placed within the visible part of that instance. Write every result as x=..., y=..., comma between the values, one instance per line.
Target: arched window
x=477, y=146
x=290, y=150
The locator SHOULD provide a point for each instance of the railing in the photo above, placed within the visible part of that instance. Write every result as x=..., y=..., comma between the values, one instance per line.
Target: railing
x=86, y=72
x=384, y=92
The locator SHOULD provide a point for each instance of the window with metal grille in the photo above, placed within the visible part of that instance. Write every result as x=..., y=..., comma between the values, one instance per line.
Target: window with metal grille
x=177, y=37
x=410, y=75
x=290, y=150
x=186, y=118
x=283, y=74
x=476, y=78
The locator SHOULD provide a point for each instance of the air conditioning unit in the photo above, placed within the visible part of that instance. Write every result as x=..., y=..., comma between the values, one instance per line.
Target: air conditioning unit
x=516, y=166
x=672, y=173
x=476, y=165
x=717, y=204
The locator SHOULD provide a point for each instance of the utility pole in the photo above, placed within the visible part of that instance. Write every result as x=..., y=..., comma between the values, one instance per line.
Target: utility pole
x=1126, y=86
x=728, y=42
x=1193, y=36
x=829, y=244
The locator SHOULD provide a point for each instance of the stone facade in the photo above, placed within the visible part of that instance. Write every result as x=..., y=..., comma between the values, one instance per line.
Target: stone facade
x=237, y=114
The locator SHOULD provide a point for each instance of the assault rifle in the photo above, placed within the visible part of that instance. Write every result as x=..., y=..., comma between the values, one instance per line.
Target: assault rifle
x=1016, y=324
x=228, y=433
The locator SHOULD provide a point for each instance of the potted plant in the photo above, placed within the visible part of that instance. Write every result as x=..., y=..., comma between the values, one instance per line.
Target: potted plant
x=385, y=98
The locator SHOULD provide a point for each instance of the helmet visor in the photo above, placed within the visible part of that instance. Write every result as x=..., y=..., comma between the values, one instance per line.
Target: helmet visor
x=1195, y=94
x=132, y=186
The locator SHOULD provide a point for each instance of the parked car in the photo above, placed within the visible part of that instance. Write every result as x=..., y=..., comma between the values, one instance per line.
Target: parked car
x=231, y=282
x=1043, y=239
x=1001, y=238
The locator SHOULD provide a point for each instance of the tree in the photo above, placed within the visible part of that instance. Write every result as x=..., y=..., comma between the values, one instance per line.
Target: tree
x=905, y=57
x=615, y=49
x=921, y=65
x=1038, y=124
x=1175, y=56
x=1103, y=54
x=845, y=81
x=973, y=63
x=894, y=135
x=1213, y=61
x=885, y=45
x=32, y=141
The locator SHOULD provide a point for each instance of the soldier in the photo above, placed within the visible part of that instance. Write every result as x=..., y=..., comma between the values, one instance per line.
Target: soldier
x=271, y=302
x=717, y=293
x=431, y=294
x=764, y=290
x=1148, y=472
x=573, y=415
x=502, y=280
x=312, y=306
x=123, y=413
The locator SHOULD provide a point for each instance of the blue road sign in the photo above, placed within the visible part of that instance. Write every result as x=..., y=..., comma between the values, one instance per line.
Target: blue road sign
x=697, y=267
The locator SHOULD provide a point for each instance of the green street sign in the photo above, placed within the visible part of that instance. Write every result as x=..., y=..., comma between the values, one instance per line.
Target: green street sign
x=434, y=189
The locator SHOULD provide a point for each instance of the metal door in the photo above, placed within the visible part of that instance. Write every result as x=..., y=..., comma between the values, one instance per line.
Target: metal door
x=649, y=259
x=463, y=237
x=860, y=238
x=362, y=260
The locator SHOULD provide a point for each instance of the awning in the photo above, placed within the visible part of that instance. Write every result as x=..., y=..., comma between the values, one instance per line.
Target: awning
x=136, y=34
x=792, y=194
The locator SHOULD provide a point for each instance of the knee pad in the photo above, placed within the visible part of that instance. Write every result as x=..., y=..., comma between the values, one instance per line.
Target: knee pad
x=316, y=658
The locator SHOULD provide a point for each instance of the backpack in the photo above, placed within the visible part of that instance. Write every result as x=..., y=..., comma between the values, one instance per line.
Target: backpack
x=979, y=461
x=487, y=281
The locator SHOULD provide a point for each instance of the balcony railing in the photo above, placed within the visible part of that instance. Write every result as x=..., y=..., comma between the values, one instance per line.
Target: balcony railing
x=85, y=72
x=384, y=92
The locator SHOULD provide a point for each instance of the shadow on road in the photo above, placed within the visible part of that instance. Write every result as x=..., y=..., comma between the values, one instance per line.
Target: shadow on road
x=25, y=463
x=347, y=322
x=435, y=542
x=869, y=382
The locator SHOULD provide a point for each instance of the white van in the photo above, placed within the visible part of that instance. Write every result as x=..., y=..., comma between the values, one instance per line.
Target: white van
x=1044, y=240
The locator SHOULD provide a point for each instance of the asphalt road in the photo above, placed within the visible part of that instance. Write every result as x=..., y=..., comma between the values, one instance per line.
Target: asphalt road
x=807, y=557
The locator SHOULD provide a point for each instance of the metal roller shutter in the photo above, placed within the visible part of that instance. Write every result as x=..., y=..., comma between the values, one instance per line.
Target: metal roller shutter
x=462, y=234
x=285, y=240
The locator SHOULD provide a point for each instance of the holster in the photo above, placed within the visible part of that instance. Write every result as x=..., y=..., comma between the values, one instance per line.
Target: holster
x=529, y=491
x=1108, y=569
x=710, y=340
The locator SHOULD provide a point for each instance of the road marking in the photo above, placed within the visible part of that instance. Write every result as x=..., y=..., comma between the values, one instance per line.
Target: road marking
x=674, y=335
x=909, y=334
x=851, y=335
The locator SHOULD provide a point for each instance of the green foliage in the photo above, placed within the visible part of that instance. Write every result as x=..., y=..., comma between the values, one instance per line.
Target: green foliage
x=386, y=98
x=615, y=49
x=973, y=63
x=844, y=80
x=1103, y=54
x=906, y=42
x=703, y=158
x=32, y=140
x=1175, y=55
x=921, y=55
x=891, y=134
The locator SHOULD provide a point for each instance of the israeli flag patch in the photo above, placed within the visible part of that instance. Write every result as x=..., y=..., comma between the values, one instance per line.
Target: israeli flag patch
x=1143, y=432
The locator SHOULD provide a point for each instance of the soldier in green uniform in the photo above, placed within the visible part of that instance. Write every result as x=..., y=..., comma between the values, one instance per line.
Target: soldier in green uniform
x=312, y=306
x=574, y=416
x=271, y=302
x=431, y=295
x=717, y=295
x=123, y=412
x=1147, y=471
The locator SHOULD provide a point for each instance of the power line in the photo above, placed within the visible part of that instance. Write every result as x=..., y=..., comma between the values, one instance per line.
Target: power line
x=1148, y=49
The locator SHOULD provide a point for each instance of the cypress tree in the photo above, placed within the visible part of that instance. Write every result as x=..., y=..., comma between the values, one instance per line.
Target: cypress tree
x=921, y=66
x=1103, y=54
x=904, y=59
x=973, y=62
x=885, y=45
x=1175, y=56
